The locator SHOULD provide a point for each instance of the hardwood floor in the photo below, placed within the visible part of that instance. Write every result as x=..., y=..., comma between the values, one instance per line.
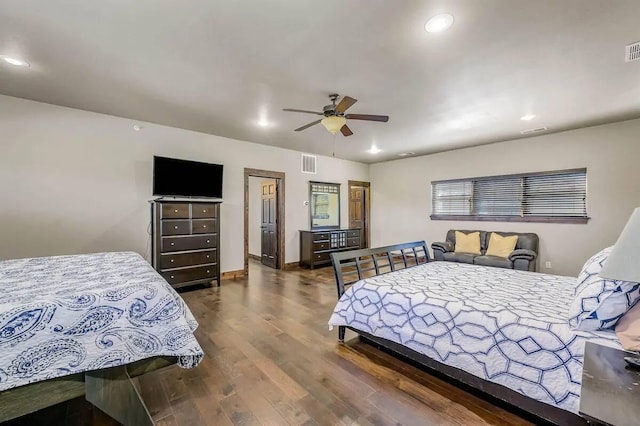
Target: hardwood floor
x=271, y=360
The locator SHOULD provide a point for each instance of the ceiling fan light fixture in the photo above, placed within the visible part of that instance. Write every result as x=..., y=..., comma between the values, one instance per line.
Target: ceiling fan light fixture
x=333, y=123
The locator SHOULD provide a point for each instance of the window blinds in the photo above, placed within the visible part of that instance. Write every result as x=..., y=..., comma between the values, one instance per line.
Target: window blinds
x=557, y=196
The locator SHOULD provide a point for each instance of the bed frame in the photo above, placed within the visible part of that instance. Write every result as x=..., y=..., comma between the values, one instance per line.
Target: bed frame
x=352, y=266
x=109, y=389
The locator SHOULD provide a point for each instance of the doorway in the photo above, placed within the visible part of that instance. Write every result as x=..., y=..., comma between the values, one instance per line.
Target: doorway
x=360, y=208
x=271, y=213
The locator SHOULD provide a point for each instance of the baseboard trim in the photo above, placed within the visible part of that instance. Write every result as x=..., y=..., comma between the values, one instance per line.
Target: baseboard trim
x=291, y=265
x=232, y=275
x=254, y=257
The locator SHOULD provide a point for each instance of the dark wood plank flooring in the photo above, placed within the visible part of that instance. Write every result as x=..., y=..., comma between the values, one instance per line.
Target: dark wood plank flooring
x=271, y=360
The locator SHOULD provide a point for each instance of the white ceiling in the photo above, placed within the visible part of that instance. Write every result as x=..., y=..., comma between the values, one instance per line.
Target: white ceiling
x=219, y=66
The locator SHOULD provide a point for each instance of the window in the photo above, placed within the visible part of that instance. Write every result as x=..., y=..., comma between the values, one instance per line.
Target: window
x=559, y=196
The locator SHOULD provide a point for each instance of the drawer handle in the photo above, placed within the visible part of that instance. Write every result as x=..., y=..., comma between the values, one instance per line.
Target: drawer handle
x=171, y=261
x=173, y=244
x=204, y=211
x=175, y=211
x=176, y=227
x=207, y=271
x=207, y=256
x=171, y=277
x=204, y=226
x=208, y=241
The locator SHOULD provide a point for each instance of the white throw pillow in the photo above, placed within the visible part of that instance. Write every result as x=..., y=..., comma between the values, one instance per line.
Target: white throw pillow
x=600, y=302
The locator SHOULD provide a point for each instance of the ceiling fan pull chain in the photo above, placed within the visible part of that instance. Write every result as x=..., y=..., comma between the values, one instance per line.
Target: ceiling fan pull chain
x=333, y=154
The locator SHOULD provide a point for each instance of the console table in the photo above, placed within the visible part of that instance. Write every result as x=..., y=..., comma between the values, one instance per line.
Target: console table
x=316, y=246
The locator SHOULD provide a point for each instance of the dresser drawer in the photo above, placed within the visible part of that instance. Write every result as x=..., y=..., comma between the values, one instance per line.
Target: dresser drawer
x=353, y=233
x=321, y=245
x=204, y=226
x=175, y=211
x=189, y=243
x=190, y=274
x=353, y=242
x=168, y=261
x=320, y=257
x=175, y=227
x=321, y=236
x=204, y=210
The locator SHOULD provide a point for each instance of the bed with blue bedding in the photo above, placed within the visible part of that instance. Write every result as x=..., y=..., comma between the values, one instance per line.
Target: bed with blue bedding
x=65, y=315
x=503, y=326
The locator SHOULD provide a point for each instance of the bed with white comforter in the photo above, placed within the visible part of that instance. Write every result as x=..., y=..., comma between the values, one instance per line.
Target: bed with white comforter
x=69, y=314
x=505, y=326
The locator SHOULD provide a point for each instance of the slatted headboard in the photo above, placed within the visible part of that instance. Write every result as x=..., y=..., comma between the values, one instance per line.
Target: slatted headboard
x=354, y=265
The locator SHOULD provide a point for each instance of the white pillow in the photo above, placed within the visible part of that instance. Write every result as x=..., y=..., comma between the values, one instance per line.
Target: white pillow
x=600, y=302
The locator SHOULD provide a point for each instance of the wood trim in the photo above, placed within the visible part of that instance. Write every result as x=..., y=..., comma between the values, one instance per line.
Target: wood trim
x=516, y=175
x=367, y=210
x=291, y=265
x=280, y=182
x=232, y=275
x=536, y=219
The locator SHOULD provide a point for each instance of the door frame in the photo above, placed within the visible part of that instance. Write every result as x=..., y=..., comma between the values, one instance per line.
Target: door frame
x=367, y=209
x=279, y=177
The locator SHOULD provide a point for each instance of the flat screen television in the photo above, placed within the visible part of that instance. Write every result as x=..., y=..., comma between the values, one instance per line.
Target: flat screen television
x=183, y=178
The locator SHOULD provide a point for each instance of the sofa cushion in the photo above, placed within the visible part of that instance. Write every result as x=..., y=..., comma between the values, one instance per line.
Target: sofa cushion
x=498, y=262
x=600, y=302
x=459, y=257
x=501, y=246
x=467, y=243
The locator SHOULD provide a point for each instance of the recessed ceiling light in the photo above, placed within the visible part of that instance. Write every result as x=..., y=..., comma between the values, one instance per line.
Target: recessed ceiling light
x=439, y=23
x=528, y=117
x=374, y=150
x=137, y=127
x=263, y=123
x=14, y=61
x=406, y=154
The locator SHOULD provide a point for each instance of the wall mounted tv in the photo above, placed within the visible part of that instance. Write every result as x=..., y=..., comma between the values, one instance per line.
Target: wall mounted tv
x=183, y=178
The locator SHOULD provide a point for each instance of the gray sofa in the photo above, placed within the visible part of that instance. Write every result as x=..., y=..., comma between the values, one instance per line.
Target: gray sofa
x=522, y=258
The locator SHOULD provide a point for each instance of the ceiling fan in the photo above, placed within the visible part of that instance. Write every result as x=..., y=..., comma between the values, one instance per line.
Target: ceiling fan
x=335, y=118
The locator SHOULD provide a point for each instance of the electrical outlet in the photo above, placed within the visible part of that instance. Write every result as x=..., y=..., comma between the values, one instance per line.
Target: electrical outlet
x=547, y=264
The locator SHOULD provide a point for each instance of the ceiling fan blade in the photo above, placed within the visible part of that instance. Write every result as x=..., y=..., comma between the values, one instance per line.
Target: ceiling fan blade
x=306, y=126
x=345, y=104
x=367, y=117
x=303, y=110
x=346, y=131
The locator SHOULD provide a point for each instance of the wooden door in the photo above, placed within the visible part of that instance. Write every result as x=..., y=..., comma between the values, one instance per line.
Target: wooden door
x=268, y=225
x=359, y=209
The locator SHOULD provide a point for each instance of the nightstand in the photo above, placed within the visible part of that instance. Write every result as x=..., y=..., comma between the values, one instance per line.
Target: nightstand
x=610, y=392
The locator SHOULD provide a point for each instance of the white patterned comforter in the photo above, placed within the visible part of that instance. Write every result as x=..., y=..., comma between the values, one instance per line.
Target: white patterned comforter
x=68, y=314
x=509, y=327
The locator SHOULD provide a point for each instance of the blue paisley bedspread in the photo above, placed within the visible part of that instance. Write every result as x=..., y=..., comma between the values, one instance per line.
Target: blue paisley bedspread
x=509, y=327
x=68, y=314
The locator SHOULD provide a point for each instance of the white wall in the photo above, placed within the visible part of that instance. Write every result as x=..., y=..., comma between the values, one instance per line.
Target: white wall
x=72, y=181
x=401, y=190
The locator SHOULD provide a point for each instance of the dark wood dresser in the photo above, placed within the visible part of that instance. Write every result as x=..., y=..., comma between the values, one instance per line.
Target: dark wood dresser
x=316, y=246
x=185, y=238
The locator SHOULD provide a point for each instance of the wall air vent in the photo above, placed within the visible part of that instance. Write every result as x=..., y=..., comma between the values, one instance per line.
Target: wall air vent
x=309, y=164
x=632, y=52
x=530, y=131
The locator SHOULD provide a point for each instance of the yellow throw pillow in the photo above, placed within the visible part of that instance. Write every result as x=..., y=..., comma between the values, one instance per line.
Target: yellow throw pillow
x=501, y=246
x=467, y=243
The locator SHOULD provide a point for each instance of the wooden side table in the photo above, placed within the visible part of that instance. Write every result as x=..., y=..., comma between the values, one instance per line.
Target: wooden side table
x=610, y=392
